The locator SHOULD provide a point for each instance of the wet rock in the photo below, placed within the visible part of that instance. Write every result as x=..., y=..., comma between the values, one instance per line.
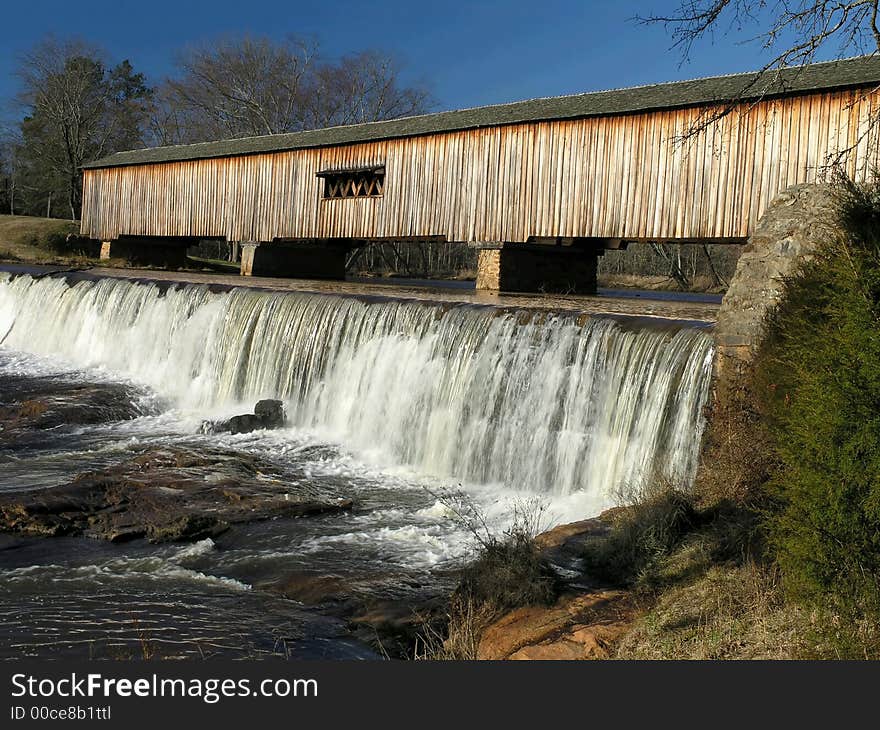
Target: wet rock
x=242, y=424
x=28, y=404
x=164, y=495
x=271, y=413
x=394, y=626
x=267, y=414
x=313, y=588
x=385, y=609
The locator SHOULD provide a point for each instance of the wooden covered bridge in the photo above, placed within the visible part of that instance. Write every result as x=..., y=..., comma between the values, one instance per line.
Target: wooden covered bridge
x=541, y=187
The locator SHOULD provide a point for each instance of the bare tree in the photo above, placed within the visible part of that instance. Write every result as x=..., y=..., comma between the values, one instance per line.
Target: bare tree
x=10, y=150
x=254, y=86
x=238, y=88
x=794, y=32
x=362, y=87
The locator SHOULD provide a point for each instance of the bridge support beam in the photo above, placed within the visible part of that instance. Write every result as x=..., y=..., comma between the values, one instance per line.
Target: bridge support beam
x=166, y=253
x=312, y=260
x=537, y=268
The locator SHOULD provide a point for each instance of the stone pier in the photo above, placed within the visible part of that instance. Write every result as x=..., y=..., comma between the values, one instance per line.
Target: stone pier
x=537, y=268
x=162, y=252
x=313, y=260
x=795, y=223
x=790, y=231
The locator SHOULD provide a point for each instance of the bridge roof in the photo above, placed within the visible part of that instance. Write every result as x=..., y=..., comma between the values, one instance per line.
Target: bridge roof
x=845, y=73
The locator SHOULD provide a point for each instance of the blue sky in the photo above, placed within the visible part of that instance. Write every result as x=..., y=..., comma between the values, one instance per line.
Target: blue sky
x=469, y=54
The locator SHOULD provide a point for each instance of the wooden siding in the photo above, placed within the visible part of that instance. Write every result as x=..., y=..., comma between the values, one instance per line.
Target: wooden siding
x=625, y=177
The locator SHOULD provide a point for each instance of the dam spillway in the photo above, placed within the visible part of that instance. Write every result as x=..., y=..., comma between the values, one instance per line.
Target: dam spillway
x=545, y=403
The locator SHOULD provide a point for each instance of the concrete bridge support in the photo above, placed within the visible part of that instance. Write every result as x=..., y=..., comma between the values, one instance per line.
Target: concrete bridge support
x=537, y=268
x=168, y=253
x=313, y=260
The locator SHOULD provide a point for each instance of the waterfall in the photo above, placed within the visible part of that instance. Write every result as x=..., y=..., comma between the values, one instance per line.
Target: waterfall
x=536, y=401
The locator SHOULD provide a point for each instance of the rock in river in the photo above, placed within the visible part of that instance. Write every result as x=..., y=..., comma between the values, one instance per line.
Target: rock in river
x=162, y=495
x=267, y=414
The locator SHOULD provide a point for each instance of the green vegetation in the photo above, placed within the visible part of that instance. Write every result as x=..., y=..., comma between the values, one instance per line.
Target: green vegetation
x=642, y=535
x=820, y=371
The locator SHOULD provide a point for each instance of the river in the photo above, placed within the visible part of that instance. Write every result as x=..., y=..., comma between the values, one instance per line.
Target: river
x=418, y=403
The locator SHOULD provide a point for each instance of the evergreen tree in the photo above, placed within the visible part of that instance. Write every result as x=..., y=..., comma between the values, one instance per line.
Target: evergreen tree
x=77, y=110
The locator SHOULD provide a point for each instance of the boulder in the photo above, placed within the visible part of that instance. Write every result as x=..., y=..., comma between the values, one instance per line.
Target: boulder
x=271, y=413
x=267, y=413
x=244, y=423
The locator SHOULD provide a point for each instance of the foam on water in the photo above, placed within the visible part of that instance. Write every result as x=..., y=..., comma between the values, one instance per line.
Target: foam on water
x=139, y=569
x=504, y=402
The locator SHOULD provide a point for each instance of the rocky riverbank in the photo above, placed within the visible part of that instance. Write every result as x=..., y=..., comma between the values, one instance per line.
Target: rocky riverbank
x=585, y=622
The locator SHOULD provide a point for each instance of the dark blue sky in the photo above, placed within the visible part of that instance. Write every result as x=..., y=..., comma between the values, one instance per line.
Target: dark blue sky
x=468, y=53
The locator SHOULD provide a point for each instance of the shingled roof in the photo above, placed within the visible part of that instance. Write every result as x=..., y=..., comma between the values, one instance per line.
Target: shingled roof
x=845, y=73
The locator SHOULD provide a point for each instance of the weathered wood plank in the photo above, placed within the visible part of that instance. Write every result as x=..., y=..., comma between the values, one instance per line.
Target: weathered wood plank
x=626, y=176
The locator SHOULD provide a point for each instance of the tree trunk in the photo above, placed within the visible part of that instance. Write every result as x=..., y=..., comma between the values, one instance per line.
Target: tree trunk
x=72, y=199
x=719, y=280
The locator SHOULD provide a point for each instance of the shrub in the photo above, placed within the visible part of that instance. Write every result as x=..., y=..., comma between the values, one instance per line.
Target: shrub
x=641, y=535
x=68, y=244
x=820, y=375
x=509, y=572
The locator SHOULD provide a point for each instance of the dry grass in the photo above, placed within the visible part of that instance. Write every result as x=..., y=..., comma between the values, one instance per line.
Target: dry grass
x=643, y=535
x=37, y=240
x=729, y=612
x=458, y=637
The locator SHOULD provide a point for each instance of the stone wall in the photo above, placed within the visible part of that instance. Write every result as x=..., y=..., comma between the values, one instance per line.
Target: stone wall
x=795, y=223
x=737, y=452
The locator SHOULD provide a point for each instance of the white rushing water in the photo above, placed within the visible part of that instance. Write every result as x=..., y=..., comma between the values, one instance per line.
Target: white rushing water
x=540, y=403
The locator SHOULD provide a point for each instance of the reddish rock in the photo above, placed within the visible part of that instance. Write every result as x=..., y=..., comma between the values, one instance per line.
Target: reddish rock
x=577, y=627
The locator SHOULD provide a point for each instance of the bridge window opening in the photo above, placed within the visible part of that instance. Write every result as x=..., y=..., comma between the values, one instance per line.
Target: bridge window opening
x=365, y=182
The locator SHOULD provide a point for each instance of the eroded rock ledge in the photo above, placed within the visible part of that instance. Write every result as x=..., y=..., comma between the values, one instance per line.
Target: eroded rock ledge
x=584, y=626
x=162, y=495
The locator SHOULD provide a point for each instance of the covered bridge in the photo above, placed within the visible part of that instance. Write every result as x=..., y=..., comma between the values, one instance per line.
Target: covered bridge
x=541, y=187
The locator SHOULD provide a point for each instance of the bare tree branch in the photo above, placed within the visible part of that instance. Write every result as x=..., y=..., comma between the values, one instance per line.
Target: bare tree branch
x=253, y=86
x=794, y=32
